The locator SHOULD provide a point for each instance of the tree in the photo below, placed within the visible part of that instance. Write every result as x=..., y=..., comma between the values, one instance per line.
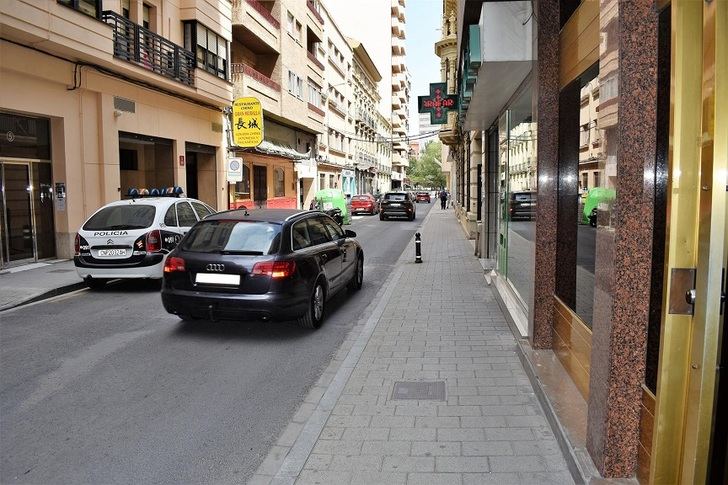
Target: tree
x=426, y=170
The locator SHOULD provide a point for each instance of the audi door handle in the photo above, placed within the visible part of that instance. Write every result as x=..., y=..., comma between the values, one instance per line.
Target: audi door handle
x=324, y=257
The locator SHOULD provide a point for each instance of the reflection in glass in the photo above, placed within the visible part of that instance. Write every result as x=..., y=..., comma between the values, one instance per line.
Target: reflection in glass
x=517, y=196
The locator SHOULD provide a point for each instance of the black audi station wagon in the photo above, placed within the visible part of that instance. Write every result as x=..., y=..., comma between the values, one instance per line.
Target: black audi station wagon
x=263, y=264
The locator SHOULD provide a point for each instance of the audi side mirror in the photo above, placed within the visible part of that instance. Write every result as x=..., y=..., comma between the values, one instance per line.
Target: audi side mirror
x=349, y=233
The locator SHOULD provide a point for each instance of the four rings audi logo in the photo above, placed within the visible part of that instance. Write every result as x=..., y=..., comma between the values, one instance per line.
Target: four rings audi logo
x=215, y=267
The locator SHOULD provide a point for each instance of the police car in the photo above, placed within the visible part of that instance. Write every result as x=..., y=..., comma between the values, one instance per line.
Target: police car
x=131, y=238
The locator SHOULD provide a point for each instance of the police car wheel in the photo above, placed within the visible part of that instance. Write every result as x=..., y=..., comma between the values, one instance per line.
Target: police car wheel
x=96, y=283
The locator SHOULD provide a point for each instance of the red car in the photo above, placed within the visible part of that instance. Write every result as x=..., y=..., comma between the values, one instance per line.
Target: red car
x=364, y=203
x=423, y=197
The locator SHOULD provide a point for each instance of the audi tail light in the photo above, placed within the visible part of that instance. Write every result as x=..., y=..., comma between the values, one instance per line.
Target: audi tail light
x=174, y=264
x=154, y=241
x=274, y=269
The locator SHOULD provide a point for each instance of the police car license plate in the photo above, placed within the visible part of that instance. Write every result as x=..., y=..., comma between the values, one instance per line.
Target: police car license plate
x=111, y=252
x=217, y=279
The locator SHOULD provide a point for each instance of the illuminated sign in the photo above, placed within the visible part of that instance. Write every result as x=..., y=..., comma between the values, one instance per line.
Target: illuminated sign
x=438, y=103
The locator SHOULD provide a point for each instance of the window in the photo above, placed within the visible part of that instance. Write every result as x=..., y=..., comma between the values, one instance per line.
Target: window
x=170, y=218
x=334, y=230
x=234, y=236
x=92, y=8
x=201, y=209
x=322, y=181
x=596, y=179
x=290, y=24
x=314, y=95
x=125, y=9
x=295, y=84
x=211, y=50
x=299, y=236
x=317, y=231
x=185, y=215
x=280, y=188
x=299, y=31
x=146, y=15
x=242, y=188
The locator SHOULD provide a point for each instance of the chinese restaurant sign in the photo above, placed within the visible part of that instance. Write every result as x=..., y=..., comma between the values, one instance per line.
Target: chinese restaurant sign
x=438, y=103
x=247, y=122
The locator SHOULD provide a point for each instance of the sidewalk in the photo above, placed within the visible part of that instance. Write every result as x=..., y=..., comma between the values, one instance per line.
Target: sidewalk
x=33, y=282
x=428, y=390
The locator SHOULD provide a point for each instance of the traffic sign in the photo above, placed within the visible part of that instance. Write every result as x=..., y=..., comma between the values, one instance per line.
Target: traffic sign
x=235, y=170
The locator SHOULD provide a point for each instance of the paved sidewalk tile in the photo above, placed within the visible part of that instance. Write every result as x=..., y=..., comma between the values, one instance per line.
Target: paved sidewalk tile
x=440, y=322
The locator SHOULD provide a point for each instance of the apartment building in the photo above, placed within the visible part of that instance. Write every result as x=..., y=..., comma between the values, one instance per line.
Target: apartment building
x=365, y=79
x=99, y=96
x=591, y=154
x=335, y=155
x=383, y=176
x=401, y=86
x=278, y=57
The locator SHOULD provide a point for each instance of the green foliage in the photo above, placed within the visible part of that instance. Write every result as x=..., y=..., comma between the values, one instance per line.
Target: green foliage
x=426, y=169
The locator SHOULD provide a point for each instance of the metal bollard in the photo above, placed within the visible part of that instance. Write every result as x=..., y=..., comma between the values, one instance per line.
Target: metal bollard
x=418, y=248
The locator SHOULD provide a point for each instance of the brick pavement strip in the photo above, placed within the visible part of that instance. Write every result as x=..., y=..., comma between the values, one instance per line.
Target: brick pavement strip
x=434, y=321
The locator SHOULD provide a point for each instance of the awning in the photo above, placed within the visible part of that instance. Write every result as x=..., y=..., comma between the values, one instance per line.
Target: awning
x=269, y=148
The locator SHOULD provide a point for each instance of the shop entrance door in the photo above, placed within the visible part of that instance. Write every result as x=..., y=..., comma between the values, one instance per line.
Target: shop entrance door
x=688, y=441
x=26, y=212
x=260, y=185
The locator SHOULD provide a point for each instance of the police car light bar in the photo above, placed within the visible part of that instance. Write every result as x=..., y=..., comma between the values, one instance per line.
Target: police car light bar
x=134, y=193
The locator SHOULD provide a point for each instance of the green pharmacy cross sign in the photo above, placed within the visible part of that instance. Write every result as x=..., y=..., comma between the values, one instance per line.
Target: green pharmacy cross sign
x=438, y=103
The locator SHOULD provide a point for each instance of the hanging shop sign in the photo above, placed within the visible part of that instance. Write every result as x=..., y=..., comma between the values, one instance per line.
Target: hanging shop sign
x=438, y=103
x=247, y=122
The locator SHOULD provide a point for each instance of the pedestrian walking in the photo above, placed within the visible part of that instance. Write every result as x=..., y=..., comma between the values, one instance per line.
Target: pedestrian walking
x=443, y=199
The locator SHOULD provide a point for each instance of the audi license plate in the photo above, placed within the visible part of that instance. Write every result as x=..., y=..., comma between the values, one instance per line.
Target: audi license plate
x=217, y=279
x=108, y=253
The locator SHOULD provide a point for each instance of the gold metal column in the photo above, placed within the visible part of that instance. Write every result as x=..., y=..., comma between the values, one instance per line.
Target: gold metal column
x=696, y=240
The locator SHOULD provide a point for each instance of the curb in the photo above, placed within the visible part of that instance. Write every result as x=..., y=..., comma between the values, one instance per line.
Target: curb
x=62, y=290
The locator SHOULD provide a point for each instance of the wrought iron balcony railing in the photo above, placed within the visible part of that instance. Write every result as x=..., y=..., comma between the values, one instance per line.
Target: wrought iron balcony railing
x=141, y=46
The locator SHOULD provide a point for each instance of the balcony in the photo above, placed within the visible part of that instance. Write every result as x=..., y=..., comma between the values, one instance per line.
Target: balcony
x=317, y=63
x=140, y=46
x=316, y=14
x=248, y=81
x=256, y=27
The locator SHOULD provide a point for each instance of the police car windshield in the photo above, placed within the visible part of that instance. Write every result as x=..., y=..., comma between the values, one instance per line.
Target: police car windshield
x=119, y=217
x=233, y=237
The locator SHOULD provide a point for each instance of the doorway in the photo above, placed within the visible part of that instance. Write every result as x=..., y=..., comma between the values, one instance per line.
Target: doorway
x=27, y=232
x=260, y=185
x=191, y=175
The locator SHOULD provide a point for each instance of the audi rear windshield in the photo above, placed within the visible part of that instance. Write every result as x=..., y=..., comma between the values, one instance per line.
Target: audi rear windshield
x=233, y=237
x=121, y=217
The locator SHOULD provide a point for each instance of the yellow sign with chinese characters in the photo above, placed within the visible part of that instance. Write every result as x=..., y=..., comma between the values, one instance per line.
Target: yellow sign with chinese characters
x=247, y=122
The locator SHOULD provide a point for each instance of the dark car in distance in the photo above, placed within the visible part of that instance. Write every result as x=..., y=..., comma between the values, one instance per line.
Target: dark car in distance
x=423, y=197
x=522, y=205
x=397, y=204
x=269, y=264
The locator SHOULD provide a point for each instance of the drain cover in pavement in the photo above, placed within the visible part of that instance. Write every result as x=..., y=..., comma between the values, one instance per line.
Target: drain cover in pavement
x=432, y=391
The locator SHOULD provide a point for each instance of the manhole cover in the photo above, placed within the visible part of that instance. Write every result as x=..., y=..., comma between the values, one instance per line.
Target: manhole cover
x=432, y=391
x=61, y=271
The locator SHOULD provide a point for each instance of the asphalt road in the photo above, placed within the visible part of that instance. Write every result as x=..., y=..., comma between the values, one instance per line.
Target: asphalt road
x=106, y=387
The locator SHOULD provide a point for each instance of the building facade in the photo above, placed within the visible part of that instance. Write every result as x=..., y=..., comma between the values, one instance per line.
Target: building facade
x=278, y=57
x=366, y=78
x=610, y=113
x=401, y=86
x=102, y=96
x=335, y=156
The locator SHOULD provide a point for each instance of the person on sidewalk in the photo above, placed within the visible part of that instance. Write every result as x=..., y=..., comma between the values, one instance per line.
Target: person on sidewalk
x=443, y=199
